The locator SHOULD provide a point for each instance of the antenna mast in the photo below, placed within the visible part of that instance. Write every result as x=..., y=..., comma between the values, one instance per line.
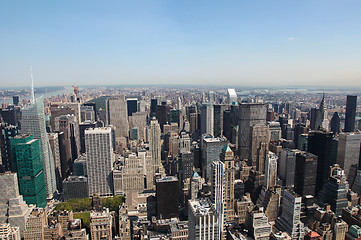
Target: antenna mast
x=32, y=84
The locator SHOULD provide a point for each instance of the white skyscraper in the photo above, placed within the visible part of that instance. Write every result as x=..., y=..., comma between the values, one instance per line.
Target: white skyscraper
x=271, y=170
x=231, y=96
x=117, y=115
x=33, y=122
x=217, y=189
x=100, y=158
x=155, y=145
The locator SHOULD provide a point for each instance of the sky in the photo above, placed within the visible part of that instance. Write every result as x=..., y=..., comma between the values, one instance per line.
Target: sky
x=230, y=43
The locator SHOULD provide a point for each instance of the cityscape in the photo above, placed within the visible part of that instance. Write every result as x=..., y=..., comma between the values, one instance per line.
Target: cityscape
x=180, y=120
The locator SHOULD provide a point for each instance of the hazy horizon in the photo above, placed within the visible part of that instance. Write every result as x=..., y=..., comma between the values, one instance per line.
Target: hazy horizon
x=235, y=43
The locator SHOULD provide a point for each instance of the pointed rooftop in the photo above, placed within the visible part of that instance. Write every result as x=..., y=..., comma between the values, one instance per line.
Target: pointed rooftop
x=195, y=174
x=226, y=148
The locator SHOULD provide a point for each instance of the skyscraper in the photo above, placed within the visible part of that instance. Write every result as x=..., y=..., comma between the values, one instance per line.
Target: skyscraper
x=100, y=158
x=271, y=170
x=33, y=122
x=29, y=166
x=227, y=157
x=117, y=115
x=289, y=220
x=218, y=191
x=259, y=146
x=231, y=96
x=249, y=114
x=335, y=123
x=305, y=174
x=348, y=150
x=351, y=104
x=287, y=166
x=132, y=105
x=207, y=119
x=155, y=145
x=211, y=148
x=167, y=195
x=218, y=119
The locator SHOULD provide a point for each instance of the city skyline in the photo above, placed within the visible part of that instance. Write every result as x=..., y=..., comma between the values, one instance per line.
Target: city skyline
x=237, y=43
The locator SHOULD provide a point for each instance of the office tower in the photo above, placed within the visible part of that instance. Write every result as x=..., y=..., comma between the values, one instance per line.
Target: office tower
x=174, y=116
x=100, y=158
x=249, y=114
x=316, y=119
x=167, y=195
x=80, y=183
x=356, y=184
x=227, y=157
x=334, y=191
x=351, y=105
x=289, y=220
x=93, y=107
x=60, y=109
x=258, y=225
x=184, y=142
x=8, y=232
x=33, y=122
x=28, y=164
x=339, y=229
x=161, y=113
x=218, y=192
x=348, y=151
x=286, y=128
x=101, y=225
x=305, y=173
x=7, y=132
x=130, y=177
x=275, y=131
x=299, y=129
x=117, y=115
x=202, y=220
x=335, y=123
x=193, y=122
x=269, y=199
x=82, y=127
x=54, y=145
x=271, y=170
x=139, y=121
x=324, y=146
x=218, y=119
x=34, y=225
x=11, y=115
x=132, y=106
x=232, y=96
x=87, y=113
x=155, y=145
x=16, y=100
x=153, y=105
x=287, y=166
x=207, y=119
x=211, y=149
x=259, y=146
x=80, y=166
x=243, y=206
x=187, y=165
x=13, y=208
x=324, y=113
x=195, y=186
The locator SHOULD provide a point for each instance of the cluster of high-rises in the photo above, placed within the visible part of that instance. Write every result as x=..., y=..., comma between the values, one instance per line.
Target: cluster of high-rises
x=190, y=165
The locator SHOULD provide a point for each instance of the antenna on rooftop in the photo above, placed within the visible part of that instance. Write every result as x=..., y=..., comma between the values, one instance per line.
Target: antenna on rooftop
x=32, y=84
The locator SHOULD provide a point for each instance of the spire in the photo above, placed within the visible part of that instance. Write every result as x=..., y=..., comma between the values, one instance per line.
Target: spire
x=323, y=107
x=32, y=84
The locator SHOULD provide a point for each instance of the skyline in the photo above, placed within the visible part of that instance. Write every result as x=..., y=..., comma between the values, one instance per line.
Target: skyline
x=259, y=44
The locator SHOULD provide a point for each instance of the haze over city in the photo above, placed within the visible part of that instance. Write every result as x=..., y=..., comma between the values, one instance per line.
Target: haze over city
x=240, y=43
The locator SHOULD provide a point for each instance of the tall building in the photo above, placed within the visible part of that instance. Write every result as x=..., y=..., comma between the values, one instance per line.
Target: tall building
x=54, y=145
x=132, y=106
x=101, y=225
x=227, y=157
x=13, y=208
x=351, y=105
x=29, y=166
x=324, y=146
x=33, y=122
x=232, y=96
x=271, y=170
x=207, y=119
x=334, y=191
x=82, y=127
x=305, y=174
x=316, y=119
x=324, y=114
x=211, y=149
x=100, y=158
x=249, y=114
x=335, y=123
x=155, y=145
x=218, y=191
x=348, y=150
x=7, y=132
x=167, y=195
x=259, y=146
x=202, y=220
x=290, y=219
x=218, y=119
x=117, y=115
x=287, y=166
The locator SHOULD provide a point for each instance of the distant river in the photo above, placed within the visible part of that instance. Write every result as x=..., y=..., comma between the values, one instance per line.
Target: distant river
x=66, y=90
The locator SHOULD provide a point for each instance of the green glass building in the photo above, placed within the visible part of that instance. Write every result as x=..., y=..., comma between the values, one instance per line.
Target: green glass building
x=27, y=162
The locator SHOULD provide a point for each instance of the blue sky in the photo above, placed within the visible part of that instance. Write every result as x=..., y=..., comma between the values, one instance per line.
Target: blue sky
x=239, y=43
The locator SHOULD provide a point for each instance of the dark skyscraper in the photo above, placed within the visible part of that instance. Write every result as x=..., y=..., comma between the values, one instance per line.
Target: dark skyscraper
x=351, y=104
x=324, y=146
x=305, y=174
x=316, y=119
x=16, y=100
x=167, y=197
x=132, y=105
x=335, y=123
